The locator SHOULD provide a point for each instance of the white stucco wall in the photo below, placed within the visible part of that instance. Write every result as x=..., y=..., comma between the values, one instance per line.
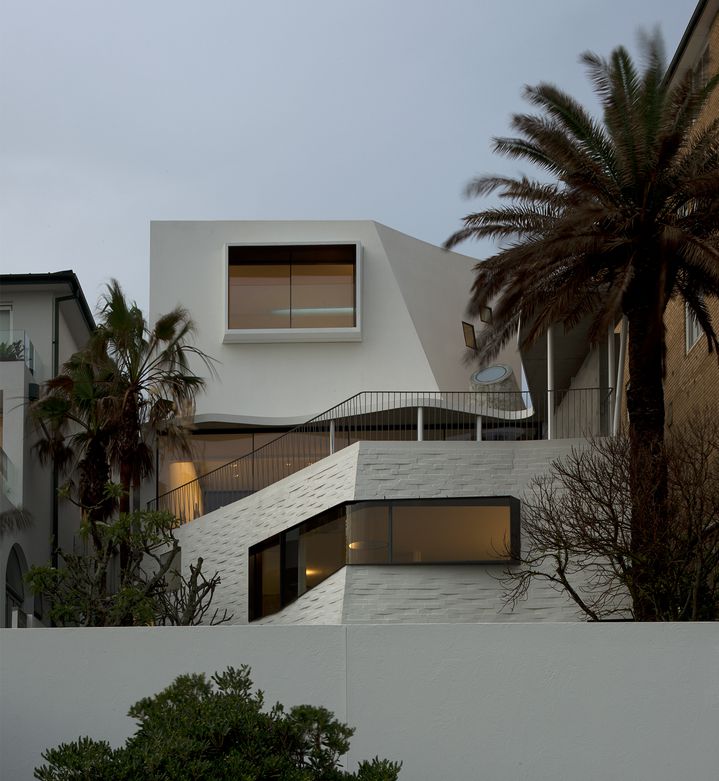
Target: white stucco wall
x=382, y=470
x=413, y=299
x=31, y=481
x=527, y=702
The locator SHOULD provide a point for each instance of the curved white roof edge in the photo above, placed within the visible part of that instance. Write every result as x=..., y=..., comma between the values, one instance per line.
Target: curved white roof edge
x=251, y=420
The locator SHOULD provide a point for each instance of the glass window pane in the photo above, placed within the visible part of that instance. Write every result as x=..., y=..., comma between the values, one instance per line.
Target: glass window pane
x=367, y=534
x=259, y=296
x=5, y=324
x=450, y=533
x=265, y=582
x=321, y=552
x=323, y=295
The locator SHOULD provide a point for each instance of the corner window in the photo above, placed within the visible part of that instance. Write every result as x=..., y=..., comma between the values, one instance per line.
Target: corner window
x=419, y=531
x=293, y=293
x=692, y=328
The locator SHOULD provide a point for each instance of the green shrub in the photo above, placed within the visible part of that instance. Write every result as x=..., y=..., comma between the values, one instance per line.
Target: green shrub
x=219, y=730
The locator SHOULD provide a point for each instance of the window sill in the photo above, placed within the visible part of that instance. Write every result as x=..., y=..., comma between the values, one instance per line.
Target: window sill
x=267, y=335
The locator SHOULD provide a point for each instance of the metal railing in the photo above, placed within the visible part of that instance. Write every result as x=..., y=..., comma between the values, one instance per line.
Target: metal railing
x=393, y=416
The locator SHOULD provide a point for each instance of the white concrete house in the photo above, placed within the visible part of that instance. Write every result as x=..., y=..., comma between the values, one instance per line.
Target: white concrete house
x=348, y=465
x=44, y=318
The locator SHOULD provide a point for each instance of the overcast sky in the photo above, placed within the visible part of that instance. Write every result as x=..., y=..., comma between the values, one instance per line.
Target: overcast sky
x=113, y=114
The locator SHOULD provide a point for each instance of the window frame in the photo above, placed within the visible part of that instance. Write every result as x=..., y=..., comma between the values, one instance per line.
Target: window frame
x=691, y=328
x=268, y=335
x=335, y=512
x=7, y=307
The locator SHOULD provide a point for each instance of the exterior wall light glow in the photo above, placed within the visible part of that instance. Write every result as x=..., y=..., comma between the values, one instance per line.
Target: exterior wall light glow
x=367, y=545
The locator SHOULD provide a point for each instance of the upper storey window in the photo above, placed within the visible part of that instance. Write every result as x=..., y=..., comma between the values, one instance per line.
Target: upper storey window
x=293, y=293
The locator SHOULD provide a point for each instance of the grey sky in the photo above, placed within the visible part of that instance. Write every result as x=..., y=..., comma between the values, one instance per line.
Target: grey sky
x=116, y=113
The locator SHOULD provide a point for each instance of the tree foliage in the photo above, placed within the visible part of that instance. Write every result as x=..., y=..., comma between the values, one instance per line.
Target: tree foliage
x=577, y=531
x=217, y=729
x=621, y=219
x=101, y=414
x=90, y=589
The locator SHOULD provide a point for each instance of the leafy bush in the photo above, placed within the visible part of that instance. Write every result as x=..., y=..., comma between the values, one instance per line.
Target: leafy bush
x=219, y=730
x=151, y=588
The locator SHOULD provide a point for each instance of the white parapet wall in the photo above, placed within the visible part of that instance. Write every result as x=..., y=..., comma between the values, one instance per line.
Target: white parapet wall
x=534, y=702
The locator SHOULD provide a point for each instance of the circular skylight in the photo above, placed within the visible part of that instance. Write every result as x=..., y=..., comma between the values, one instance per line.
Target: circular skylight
x=492, y=374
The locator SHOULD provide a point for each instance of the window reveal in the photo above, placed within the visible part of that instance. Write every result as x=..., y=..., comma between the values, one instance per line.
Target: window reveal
x=292, y=287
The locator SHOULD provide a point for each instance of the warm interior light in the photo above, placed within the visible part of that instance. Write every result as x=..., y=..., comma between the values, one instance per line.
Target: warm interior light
x=310, y=573
x=367, y=545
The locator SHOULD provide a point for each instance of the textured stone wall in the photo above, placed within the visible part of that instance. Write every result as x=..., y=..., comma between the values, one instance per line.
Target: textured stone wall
x=381, y=594
x=223, y=537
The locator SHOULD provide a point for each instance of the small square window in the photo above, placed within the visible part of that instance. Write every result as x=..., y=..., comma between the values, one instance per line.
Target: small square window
x=5, y=322
x=692, y=328
x=470, y=337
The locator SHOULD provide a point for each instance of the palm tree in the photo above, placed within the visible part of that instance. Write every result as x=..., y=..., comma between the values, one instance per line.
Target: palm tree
x=150, y=382
x=101, y=412
x=74, y=417
x=624, y=219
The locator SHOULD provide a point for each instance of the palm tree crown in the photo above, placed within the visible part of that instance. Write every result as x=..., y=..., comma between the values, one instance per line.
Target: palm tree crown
x=151, y=384
x=630, y=200
x=110, y=399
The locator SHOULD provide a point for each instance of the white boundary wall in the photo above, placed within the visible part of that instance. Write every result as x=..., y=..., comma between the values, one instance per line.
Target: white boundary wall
x=470, y=701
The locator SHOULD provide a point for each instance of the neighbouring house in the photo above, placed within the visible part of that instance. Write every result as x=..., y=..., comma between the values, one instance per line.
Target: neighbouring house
x=692, y=372
x=44, y=318
x=347, y=464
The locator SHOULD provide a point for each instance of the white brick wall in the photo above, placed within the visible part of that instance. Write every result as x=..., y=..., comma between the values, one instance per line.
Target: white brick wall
x=381, y=594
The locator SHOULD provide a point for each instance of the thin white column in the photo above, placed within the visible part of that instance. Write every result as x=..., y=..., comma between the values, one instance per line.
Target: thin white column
x=620, y=376
x=550, y=382
x=479, y=428
x=332, y=437
x=611, y=376
x=420, y=424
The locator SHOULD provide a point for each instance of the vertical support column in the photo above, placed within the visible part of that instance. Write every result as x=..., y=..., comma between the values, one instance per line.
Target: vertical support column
x=420, y=424
x=550, y=382
x=332, y=437
x=611, y=377
x=479, y=428
x=620, y=377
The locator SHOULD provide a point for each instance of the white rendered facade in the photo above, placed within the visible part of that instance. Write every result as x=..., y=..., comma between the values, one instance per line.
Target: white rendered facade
x=412, y=297
x=46, y=319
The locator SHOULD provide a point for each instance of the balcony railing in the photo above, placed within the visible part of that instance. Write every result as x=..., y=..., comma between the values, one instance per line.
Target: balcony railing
x=394, y=416
x=16, y=346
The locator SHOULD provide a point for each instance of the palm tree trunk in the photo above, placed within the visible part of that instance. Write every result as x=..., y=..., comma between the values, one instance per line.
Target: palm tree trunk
x=648, y=475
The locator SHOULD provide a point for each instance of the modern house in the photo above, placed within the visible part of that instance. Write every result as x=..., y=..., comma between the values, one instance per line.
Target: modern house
x=348, y=465
x=44, y=318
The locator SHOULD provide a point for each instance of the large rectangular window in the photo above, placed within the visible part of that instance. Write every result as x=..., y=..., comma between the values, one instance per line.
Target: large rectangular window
x=303, y=290
x=420, y=531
